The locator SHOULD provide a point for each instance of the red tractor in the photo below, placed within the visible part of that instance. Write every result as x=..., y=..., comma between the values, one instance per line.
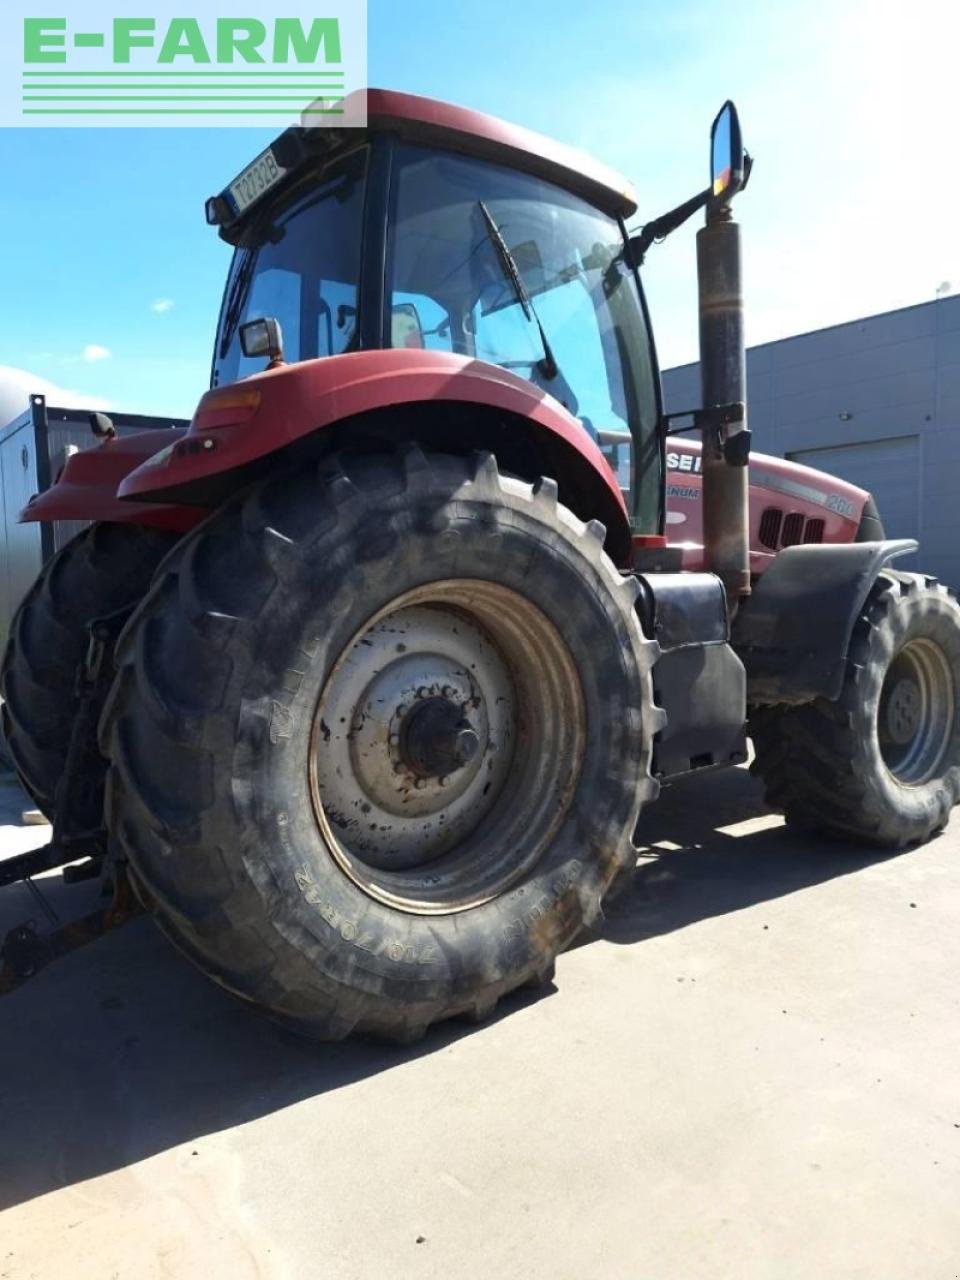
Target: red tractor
x=386, y=658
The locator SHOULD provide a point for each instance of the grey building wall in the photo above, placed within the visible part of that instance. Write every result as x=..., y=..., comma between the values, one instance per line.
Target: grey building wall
x=875, y=401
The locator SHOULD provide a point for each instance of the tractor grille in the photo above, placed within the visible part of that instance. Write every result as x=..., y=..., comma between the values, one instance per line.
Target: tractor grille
x=792, y=530
x=770, y=522
x=814, y=531
x=777, y=530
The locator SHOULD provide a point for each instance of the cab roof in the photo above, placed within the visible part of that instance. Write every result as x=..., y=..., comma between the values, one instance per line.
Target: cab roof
x=441, y=124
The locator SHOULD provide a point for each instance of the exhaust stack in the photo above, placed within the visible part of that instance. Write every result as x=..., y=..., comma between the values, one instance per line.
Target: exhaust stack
x=726, y=532
x=726, y=440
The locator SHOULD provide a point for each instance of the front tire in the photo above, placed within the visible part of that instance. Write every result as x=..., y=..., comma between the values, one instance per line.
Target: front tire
x=379, y=741
x=882, y=763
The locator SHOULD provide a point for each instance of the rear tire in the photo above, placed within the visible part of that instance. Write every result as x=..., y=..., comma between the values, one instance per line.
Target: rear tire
x=882, y=763
x=289, y=695
x=105, y=568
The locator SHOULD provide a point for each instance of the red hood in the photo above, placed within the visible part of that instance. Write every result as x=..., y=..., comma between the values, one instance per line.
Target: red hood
x=824, y=508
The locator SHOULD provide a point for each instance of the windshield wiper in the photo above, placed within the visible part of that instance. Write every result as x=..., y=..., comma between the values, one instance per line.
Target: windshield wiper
x=548, y=365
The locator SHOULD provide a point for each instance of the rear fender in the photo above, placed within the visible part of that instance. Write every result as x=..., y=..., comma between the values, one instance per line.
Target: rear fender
x=793, y=633
x=86, y=488
x=445, y=401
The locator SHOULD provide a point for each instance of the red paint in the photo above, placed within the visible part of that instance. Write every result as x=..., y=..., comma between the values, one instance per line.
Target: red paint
x=475, y=133
x=86, y=488
x=774, y=482
x=297, y=400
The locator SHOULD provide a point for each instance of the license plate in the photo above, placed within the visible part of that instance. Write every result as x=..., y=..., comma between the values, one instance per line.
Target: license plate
x=255, y=180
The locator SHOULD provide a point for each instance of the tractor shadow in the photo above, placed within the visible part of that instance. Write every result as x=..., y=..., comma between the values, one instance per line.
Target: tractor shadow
x=710, y=845
x=120, y=1050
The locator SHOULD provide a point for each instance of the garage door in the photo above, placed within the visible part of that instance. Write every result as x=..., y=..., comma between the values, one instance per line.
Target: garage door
x=890, y=469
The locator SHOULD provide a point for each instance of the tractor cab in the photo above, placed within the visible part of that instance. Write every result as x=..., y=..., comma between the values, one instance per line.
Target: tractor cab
x=437, y=230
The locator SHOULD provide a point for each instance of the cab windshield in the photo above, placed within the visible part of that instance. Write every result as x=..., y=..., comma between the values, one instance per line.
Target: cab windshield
x=465, y=234
x=301, y=266
x=481, y=260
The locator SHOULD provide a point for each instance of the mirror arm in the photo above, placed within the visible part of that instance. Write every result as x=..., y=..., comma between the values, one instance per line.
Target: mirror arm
x=661, y=227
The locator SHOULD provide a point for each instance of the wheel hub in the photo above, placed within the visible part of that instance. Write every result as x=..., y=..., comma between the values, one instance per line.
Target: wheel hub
x=436, y=738
x=916, y=712
x=446, y=744
x=903, y=711
x=421, y=719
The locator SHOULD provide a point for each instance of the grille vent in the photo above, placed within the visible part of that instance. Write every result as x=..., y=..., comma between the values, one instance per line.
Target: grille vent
x=778, y=530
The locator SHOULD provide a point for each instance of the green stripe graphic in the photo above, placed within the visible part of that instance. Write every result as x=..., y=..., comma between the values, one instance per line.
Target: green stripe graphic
x=313, y=72
x=71, y=86
x=180, y=90
x=258, y=88
x=74, y=90
x=168, y=97
x=168, y=111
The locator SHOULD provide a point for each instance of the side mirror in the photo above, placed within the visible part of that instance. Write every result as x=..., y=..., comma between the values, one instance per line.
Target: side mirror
x=405, y=327
x=727, y=174
x=262, y=337
x=102, y=426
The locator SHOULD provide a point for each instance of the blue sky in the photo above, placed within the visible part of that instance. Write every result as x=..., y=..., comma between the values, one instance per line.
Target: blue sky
x=111, y=280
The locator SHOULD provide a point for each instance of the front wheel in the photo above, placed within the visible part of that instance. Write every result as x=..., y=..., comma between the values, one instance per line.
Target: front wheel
x=379, y=741
x=882, y=764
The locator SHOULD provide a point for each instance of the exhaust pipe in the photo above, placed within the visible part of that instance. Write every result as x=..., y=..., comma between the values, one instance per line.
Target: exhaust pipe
x=726, y=513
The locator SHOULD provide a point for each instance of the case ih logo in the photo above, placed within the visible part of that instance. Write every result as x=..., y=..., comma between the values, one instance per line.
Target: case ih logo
x=678, y=461
x=90, y=65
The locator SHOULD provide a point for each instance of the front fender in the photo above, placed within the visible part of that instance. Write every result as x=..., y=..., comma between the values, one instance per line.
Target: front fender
x=86, y=488
x=237, y=425
x=792, y=634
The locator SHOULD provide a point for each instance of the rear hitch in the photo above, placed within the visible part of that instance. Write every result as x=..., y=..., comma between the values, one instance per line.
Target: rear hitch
x=25, y=951
x=55, y=854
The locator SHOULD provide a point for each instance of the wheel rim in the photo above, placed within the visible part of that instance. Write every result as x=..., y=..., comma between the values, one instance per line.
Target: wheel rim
x=446, y=746
x=916, y=712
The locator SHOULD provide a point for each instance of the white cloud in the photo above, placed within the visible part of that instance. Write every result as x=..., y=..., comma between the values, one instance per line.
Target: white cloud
x=93, y=352
x=162, y=305
x=847, y=106
x=17, y=385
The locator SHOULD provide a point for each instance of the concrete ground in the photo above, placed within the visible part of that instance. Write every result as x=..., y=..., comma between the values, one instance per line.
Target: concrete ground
x=751, y=1071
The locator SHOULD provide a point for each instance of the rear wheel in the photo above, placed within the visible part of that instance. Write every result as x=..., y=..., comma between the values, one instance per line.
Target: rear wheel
x=105, y=568
x=882, y=764
x=379, y=740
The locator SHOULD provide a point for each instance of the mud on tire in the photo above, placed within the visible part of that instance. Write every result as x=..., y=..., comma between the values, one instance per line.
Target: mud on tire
x=882, y=763
x=105, y=568
x=244, y=702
